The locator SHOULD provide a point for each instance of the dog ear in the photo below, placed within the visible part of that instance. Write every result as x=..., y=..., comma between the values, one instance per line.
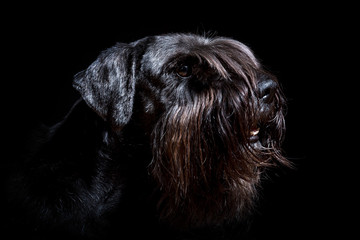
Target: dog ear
x=108, y=84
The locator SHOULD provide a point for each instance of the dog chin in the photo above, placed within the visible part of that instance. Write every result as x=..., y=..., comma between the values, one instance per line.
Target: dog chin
x=205, y=176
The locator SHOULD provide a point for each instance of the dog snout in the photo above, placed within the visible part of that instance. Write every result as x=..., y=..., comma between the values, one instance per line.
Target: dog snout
x=267, y=89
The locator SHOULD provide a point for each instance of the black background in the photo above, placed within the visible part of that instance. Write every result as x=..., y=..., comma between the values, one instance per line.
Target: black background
x=45, y=46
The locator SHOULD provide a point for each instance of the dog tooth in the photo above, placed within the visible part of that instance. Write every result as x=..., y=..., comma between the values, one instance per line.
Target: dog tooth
x=255, y=132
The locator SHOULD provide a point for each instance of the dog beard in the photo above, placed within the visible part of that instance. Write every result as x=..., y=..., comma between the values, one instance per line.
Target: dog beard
x=204, y=160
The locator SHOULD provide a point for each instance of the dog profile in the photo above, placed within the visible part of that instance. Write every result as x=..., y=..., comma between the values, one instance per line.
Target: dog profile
x=173, y=131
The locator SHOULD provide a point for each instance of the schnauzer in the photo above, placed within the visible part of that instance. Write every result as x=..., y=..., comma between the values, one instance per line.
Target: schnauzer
x=172, y=134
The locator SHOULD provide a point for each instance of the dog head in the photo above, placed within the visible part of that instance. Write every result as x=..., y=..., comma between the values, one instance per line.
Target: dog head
x=215, y=117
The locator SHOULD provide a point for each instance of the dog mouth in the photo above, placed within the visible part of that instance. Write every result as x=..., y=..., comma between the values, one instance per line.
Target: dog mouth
x=254, y=131
x=254, y=134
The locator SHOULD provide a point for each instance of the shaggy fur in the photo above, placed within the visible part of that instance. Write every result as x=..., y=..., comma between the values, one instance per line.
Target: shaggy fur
x=172, y=134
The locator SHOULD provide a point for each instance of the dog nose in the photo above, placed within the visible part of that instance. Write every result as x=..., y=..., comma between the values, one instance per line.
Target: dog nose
x=266, y=89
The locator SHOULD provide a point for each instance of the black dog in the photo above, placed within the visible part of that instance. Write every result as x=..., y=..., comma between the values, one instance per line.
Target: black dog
x=171, y=136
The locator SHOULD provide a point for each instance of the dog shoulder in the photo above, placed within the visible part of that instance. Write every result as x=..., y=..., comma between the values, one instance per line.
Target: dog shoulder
x=63, y=176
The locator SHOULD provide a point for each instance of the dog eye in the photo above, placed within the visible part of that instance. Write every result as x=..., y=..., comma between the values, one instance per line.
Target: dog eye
x=184, y=71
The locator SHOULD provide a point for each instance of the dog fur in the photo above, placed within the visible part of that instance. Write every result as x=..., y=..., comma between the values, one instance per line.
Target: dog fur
x=172, y=134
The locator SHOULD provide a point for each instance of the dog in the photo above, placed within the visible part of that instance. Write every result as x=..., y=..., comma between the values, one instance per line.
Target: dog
x=172, y=134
